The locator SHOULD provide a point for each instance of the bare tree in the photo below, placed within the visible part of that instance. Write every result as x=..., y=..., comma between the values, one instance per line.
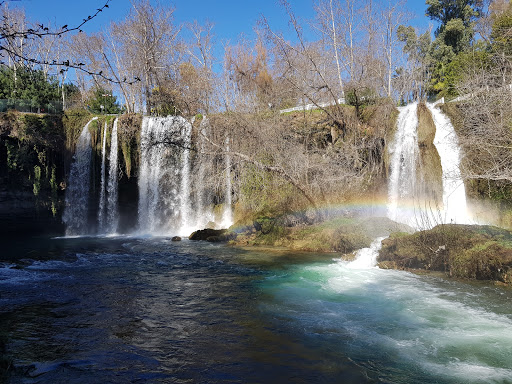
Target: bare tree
x=147, y=38
x=393, y=15
x=306, y=70
x=486, y=113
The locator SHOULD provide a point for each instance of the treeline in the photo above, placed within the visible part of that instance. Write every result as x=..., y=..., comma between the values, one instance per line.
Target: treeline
x=353, y=50
x=358, y=52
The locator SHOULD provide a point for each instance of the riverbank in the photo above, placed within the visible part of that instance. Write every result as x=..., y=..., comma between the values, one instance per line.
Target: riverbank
x=477, y=252
x=471, y=252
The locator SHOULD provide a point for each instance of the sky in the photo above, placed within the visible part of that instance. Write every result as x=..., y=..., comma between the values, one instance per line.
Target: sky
x=230, y=17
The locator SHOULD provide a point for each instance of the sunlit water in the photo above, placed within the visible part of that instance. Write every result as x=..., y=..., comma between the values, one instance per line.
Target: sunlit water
x=127, y=310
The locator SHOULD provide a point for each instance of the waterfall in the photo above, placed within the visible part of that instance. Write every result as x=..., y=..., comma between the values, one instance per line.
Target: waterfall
x=404, y=158
x=77, y=193
x=101, y=211
x=404, y=195
x=227, y=216
x=186, y=132
x=112, y=208
x=164, y=189
x=204, y=215
x=454, y=193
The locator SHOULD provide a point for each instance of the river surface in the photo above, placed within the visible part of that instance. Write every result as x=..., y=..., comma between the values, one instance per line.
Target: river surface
x=148, y=310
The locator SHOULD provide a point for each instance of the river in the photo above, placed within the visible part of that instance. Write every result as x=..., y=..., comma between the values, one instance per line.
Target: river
x=149, y=310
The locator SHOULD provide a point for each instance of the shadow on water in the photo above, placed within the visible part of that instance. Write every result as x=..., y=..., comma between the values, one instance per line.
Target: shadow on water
x=122, y=310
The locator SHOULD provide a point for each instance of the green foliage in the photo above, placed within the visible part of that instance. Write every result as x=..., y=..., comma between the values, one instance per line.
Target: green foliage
x=445, y=11
x=31, y=86
x=454, y=37
x=264, y=193
x=447, y=76
x=73, y=122
x=418, y=51
x=37, y=180
x=360, y=98
x=103, y=101
x=502, y=32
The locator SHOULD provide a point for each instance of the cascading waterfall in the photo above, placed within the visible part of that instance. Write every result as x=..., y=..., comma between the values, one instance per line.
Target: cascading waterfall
x=101, y=210
x=204, y=214
x=454, y=193
x=112, y=186
x=404, y=158
x=404, y=197
x=185, y=208
x=164, y=189
x=77, y=194
x=227, y=216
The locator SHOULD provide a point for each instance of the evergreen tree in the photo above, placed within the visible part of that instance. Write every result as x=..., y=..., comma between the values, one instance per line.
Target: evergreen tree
x=103, y=101
x=501, y=35
x=31, y=88
x=454, y=36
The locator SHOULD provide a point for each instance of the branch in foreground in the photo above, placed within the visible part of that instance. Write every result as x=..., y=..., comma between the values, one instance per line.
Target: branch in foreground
x=45, y=31
x=272, y=169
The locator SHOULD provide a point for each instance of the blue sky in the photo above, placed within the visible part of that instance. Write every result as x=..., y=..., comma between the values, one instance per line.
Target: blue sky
x=231, y=17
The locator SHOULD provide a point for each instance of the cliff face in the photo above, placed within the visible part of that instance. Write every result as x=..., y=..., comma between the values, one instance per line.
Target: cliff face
x=429, y=167
x=32, y=158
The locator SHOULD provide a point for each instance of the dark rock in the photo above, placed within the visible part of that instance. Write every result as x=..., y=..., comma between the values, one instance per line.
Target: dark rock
x=176, y=238
x=204, y=234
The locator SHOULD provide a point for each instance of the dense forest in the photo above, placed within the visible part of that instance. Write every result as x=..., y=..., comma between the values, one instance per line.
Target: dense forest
x=354, y=62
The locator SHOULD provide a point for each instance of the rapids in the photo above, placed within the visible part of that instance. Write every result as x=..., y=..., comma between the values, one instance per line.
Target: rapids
x=120, y=309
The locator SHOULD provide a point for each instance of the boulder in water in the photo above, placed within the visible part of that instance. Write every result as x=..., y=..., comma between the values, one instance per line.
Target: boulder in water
x=212, y=235
x=176, y=238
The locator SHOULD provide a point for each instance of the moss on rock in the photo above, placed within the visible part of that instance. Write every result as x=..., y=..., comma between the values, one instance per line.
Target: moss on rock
x=465, y=251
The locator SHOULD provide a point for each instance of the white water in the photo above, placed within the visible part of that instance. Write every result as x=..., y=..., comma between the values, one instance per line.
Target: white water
x=203, y=202
x=367, y=257
x=404, y=158
x=454, y=193
x=227, y=216
x=164, y=177
x=185, y=208
x=404, y=200
x=77, y=193
x=101, y=210
x=112, y=186
x=431, y=330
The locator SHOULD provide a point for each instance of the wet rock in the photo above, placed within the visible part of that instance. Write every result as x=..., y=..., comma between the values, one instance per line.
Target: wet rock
x=176, y=238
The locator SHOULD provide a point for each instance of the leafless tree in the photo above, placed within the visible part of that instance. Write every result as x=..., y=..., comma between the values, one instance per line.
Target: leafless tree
x=486, y=112
x=147, y=38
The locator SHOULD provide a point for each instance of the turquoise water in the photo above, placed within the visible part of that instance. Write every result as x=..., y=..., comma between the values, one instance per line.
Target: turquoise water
x=398, y=327
x=126, y=310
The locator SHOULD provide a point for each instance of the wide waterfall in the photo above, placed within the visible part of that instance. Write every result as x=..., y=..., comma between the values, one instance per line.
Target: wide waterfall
x=406, y=202
x=454, y=193
x=404, y=159
x=101, y=210
x=77, y=193
x=164, y=185
x=112, y=187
